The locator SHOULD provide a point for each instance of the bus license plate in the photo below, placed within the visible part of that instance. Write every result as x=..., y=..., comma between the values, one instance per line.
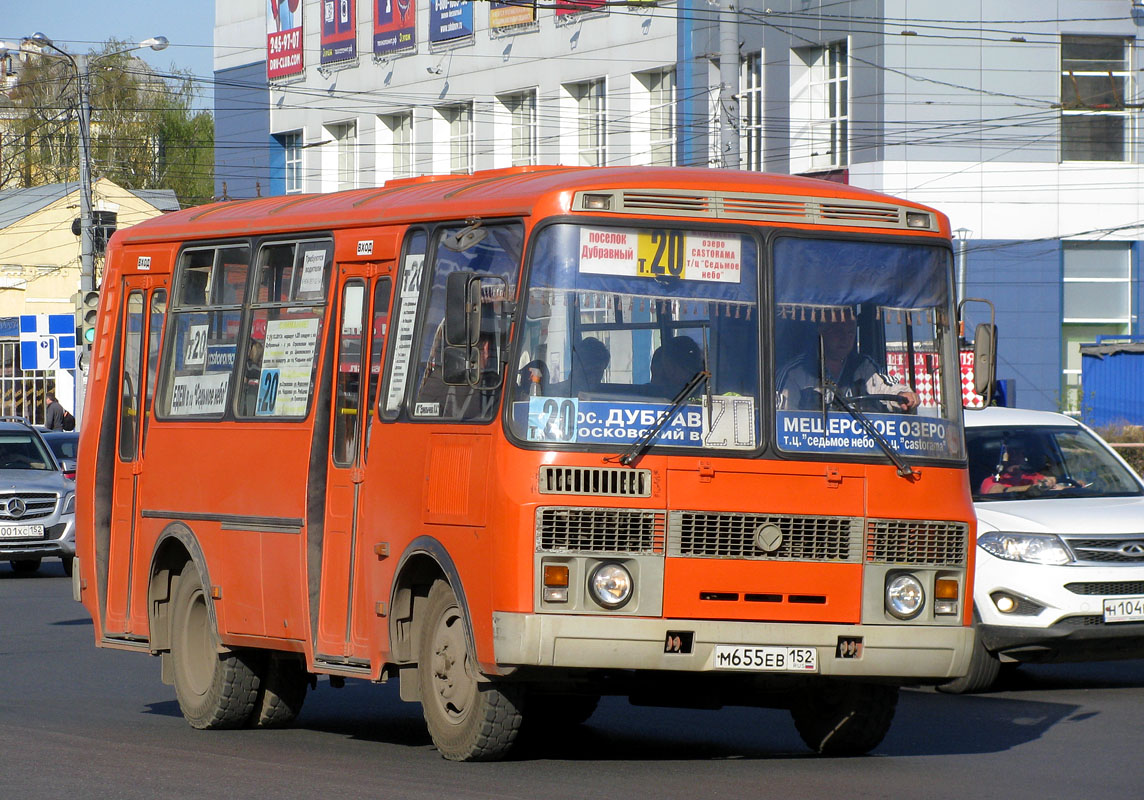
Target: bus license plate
x=21, y=531
x=766, y=659
x=1124, y=609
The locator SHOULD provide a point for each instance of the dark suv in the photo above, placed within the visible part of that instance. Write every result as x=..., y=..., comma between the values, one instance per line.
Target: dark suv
x=37, y=502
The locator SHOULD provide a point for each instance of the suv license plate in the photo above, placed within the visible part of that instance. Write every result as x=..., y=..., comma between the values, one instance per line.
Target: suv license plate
x=766, y=659
x=1124, y=609
x=21, y=531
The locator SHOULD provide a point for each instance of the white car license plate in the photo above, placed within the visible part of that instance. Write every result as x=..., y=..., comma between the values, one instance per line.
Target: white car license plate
x=1124, y=609
x=766, y=659
x=21, y=531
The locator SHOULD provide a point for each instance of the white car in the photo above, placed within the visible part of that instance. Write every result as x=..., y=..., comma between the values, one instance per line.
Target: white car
x=1060, y=544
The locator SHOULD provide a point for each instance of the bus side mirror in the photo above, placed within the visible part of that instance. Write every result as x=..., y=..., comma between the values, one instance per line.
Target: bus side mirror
x=462, y=309
x=458, y=367
x=984, y=359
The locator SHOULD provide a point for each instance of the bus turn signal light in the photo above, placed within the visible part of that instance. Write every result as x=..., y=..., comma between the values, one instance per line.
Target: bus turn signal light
x=556, y=583
x=556, y=575
x=945, y=589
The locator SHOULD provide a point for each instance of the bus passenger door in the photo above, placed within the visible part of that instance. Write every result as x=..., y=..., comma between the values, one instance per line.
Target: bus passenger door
x=343, y=478
x=139, y=334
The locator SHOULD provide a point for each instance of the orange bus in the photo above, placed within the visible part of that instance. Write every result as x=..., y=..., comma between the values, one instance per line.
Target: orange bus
x=528, y=437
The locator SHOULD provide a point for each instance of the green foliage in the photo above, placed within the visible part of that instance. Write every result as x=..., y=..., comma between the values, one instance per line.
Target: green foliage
x=145, y=131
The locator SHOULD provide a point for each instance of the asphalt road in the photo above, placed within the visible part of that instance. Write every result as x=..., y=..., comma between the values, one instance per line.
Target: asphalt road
x=80, y=722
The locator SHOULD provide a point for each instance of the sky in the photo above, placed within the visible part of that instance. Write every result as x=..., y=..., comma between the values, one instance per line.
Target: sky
x=81, y=25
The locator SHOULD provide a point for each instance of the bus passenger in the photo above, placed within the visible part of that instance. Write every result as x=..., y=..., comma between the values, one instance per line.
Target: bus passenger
x=855, y=374
x=673, y=364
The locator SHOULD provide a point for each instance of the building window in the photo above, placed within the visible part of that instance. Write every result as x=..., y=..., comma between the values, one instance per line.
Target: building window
x=751, y=112
x=292, y=150
x=395, y=146
x=659, y=89
x=591, y=122
x=1095, y=84
x=1097, y=302
x=820, y=106
x=521, y=108
x=345, y=146
x=460, y=121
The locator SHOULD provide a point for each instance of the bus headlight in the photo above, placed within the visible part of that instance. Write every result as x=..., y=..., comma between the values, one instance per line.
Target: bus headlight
x=904, y=596
x=610, y=585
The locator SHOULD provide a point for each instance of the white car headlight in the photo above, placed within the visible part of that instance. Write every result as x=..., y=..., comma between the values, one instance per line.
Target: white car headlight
x=69, y=504
x=1032, y=548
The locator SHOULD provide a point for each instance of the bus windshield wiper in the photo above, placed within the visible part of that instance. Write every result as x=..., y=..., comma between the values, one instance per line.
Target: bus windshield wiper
x=904, y=469
x=641, y=445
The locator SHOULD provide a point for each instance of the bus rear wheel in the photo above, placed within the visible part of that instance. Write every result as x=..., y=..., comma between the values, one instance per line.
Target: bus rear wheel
x=281, y=692
x=845, y=719
x=215, y=686
x=468, y=719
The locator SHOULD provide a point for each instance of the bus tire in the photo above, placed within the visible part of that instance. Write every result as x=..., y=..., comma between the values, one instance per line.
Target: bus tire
x=984, y=669
x=468, y=719
x=215, y=686
x=281, y=692
x=845, y=719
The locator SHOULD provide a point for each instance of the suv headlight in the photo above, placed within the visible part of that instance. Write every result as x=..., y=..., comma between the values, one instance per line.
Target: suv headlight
x=69, y=504
x=1032, y=548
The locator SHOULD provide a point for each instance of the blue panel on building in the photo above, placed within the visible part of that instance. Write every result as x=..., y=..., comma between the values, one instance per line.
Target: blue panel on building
x=1023, y=281
x=1112, y=374
x=242, y=116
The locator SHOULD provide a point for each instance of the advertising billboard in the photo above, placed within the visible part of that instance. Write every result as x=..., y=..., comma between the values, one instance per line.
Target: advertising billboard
x=505, y=15
x=450, y=20
x=394, y=26
x=284, y=39
x=339, y=30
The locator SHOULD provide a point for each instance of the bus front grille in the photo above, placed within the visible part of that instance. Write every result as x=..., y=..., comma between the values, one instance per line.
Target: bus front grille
x=599, y=530
x=916, y=541
x=595, y=481
x=778, y=537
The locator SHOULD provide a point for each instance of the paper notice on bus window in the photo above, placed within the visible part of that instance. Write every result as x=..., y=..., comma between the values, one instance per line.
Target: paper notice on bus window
x=406, y=319
x=689, y=256
x=199, y=394
x=195, y=346
x=287, y=367
x=313, y=268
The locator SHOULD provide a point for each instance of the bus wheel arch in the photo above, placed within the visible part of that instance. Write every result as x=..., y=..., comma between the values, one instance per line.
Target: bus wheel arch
x=424, y=562
x=175, y=548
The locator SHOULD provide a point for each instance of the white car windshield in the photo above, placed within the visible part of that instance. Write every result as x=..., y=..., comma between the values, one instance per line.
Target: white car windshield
x=1043, y=462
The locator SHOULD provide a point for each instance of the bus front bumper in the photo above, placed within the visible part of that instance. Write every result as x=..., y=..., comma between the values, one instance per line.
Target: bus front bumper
x=909, y=652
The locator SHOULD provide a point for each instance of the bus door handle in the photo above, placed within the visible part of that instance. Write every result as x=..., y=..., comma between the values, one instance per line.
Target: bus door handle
x=833, y=477
x=357, y=475
x=137, y=467
x=706, y=472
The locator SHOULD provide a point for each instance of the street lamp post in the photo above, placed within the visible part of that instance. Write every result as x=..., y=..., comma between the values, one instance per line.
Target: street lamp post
x=79, y=64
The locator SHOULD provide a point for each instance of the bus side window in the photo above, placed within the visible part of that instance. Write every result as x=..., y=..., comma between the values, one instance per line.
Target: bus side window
x=155, y=338
x=199, y=360
x=379, y=326
x=406, y=300
x=495, y=254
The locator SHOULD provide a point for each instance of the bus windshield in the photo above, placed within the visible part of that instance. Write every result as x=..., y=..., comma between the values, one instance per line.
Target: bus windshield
x=862, y=329
x=620, y=320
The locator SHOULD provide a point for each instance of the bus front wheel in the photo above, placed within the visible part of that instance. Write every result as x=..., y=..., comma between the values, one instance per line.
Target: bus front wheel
x=845, y=719
x=215, y=686
x=468, y=719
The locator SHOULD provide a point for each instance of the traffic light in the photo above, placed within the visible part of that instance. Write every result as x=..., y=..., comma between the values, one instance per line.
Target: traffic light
x=88, y=313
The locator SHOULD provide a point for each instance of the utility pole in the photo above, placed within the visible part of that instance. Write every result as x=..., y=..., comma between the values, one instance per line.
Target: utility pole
x=728, y=85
